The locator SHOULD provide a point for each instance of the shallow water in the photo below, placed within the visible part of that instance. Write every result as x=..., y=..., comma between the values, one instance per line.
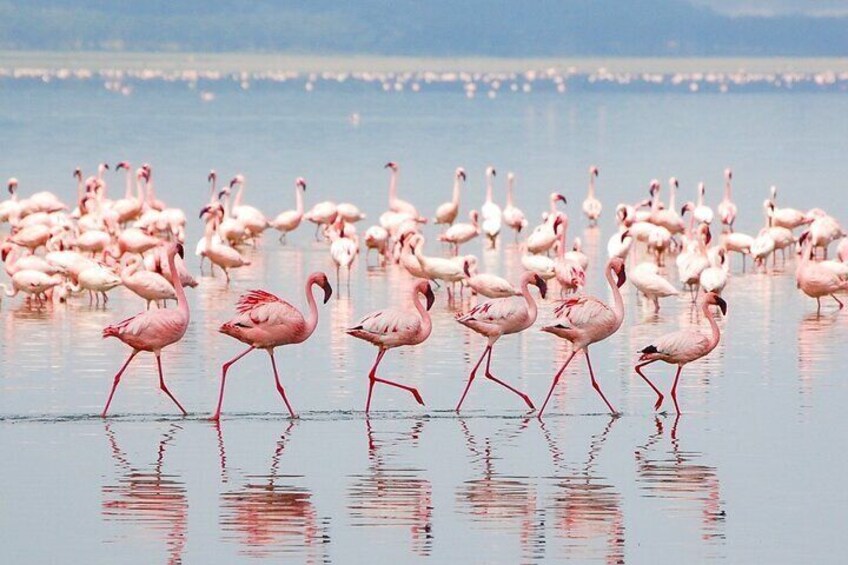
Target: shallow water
x=751, y=471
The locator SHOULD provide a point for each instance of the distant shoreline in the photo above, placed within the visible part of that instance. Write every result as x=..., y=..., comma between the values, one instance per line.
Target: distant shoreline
x=258, y=62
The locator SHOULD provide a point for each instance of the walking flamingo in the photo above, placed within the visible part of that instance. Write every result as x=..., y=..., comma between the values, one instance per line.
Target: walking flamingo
x=592, y=206
x=392, y=328
x=498, y=317
x=584, y=320
x=265, y=321
x=682, y=347
x=153, y=330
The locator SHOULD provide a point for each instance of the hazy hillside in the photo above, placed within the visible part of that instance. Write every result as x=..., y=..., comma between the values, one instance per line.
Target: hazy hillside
x=407, y=27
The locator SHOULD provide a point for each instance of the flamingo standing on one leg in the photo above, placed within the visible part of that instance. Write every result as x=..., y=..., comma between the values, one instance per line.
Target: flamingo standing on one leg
x=265, y=321
x=502, y=316
x=153, y=330
x=584, y=320
x=392, y=328
x=682, y=347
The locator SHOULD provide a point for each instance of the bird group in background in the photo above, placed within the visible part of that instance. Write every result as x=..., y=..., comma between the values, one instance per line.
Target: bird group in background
x=55, y=250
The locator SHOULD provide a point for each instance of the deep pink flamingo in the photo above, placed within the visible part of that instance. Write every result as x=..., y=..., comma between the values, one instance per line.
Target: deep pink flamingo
x=502, y=316
x=153, y=330
x=584, y=320
x=265, y=321
x=682, y=347
x=392, y=328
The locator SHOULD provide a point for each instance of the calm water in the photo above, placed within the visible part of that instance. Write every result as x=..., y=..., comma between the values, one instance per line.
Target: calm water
x=752, y=472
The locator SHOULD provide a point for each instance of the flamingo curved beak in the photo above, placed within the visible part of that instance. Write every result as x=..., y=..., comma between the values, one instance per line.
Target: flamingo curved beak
x=624, y=235
x=721, y=304
x=466, y=269
x=541, y=285
x=430, y=297
x=181, y=250
x=205, y=210
x=561, y=198
x=328, y=290
x=622, y=278
x=462, y=175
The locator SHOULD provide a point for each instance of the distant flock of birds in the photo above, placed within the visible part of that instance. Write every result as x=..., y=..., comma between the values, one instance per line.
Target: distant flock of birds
x=54, y=251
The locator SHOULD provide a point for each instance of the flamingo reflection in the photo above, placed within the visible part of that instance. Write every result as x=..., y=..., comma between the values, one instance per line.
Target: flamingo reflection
x=587, y=508
x=676, y=476
x=267, y=516
x=148, y=497
x=499, y=502
x=392, y=495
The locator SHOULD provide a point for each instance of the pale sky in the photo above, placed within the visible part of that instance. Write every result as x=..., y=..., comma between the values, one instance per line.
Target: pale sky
x=777, y=7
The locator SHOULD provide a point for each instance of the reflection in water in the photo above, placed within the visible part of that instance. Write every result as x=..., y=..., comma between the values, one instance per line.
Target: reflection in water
x=817, y=337
x=587, y=508
x=391, y=496
x=147, y=497
x=499, y=502
x=269, y=518
x=676, y=477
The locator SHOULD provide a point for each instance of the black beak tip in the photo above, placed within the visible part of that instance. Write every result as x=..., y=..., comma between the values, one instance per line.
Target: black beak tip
x=328, y=291
x=430, y=297
x=181, y=250
x=622, y=278
x=722, y=305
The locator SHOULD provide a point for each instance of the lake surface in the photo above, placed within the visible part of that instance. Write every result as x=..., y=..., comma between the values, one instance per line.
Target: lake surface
x=752, y=471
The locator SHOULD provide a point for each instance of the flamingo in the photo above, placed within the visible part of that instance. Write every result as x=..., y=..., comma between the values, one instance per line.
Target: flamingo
x=153, y=330
x=702, y=212
x=784, y=217
x=491, y=212
x=714, y=278
x=252, y=218
x=446, y=213
x=395, y=203
x=489, y=285
x=439, y=268
x=584, y=320
x=543, y=237
x=35, y=283
x=461, y=233
x=512, y=215
x=498, y=317
x=343, y=251
x=682, y=347
x=738, y=243
x=98, y=280
x=390, y=328
x=647, y=280
x=668, y=218
x=592, y=206
x=350, y=213
x=289, y=220
x=265, y=321
x=150, y=286
x=377, y=238
x=216, y=250
x=817, y=280
x=726, y=208
x=322, y=214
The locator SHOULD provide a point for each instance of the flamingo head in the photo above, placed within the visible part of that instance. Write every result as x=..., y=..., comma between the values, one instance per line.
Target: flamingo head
x=773, y=191
x=12, y=185
x=674, y=182
x=557, y=197
x=5, y=252
x=225, y=192
x=142, y=174
x=713, y=299
x=728, y=173
x=122, y=165
x=78, y=174
x=510, y=177
x=654, y=188
x=490, y=171
x=300, y=182
x=616, y=264
x=102, y=167
x=702, y=188
x=593, y=171
x=705, y=231
x=541, y=285
x=460, y=173
x=624, y=235
x=474, y=215
x=425, y=289
x=238, y=179
x=559, y=220
x=321, y=280
x=175, y=249
x=212, y=176
x=688, y=207
x=768, y=205
x=391, y=165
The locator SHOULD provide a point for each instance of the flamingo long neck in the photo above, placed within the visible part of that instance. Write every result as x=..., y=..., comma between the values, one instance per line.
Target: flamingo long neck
x=532, y=310
x=426, y=323
x=562, y=236
x=79, y=190
x=655, y=201
x=618, y=303
x=212, y=186
x=672, y=190
x=489, y=187
x=312, y=317
x=701, y=195
x=509, y=183
x=237, y=203
x=209, y=230
x=455, y=198
x=727, y=189
x=393, y=187
x=128, y=191
x=715, y=333
x=298, y=197
x=151, y=194
x=182, y=303
x=591, y=185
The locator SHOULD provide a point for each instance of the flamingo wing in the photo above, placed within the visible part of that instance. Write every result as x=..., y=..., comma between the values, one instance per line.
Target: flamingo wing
x=680, y=346
x=387, y=322
x=494, y=311
x=261, y=308
x=583, y=311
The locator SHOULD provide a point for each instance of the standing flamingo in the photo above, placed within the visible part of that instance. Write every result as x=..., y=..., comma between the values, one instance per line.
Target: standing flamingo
x=290, y=219
x=153, y=330
x=392, y=328
x=727, y=209
x=584, y=320
x=502, y=316
x=682, y=347
x=491, y=212
x=266, y=322
x=446, y=213
x=512, y=215
x=592, y=206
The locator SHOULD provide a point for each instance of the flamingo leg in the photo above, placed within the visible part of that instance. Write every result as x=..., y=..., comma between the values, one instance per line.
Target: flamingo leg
x=371, y=378
x=674, y=388
x=117, y=380
x=471, y=377
x=595, y=384
x=841, y=305
x=491, y=377
x=556, y=380
x=164, y=387
x=280, y=388
x=641, y=374
x=226, y=367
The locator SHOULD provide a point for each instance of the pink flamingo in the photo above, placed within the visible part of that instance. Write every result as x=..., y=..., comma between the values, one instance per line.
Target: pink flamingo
x=153, y=330
x=584, y=320
x=392, y=328
x=682, y=347
x=265, y=322
x=502, y=316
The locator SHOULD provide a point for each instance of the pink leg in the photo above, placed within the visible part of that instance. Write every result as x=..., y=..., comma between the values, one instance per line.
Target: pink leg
x=471, y=377
x=491, y=377
x=596, y=386
x=371, y=378
x=165, y=388
x=412, y=390
x=117, y=380
x=279, y=386
x=674, y=388
x=224, y=369
x=641, y=374
x=556, y=380
x=837, y=301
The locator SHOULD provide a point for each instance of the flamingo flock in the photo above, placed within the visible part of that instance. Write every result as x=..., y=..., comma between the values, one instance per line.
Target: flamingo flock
x=55, y=251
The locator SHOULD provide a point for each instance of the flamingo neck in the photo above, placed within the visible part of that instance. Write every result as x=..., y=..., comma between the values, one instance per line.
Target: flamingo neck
x=393, y=188
x=182, y=303
x=591, y=185
x=618, y=302
x=312, y=317
x=212, y=187
x=237, y=203
x=128, y=191
x=727, y=190
x=672, y=197
x=426, y=323
x=700, y=196
x=562, y=236
x=715, y=332
x=509, y=184
x=455, y=198
x=489, y=188
x=532, y=310
x=298, y=198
